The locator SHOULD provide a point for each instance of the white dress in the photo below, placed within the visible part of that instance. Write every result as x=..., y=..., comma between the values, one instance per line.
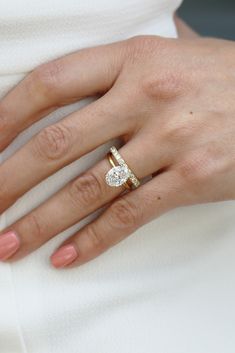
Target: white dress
x=170, y=287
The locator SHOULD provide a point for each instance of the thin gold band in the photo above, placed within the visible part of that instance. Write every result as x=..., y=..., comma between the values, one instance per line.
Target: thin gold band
x=109, y=155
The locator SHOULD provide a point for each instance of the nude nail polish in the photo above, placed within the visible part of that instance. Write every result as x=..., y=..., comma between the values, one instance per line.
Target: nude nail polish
x=9, y=244
x=64, y=256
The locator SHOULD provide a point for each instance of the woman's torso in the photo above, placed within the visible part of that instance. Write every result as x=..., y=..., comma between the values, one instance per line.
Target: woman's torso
x=169, y=287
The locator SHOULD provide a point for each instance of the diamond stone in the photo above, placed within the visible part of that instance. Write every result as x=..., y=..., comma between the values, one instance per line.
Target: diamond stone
x=117, y=176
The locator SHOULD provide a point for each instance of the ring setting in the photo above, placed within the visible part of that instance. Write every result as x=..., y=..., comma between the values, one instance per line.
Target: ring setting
x=120, y=173
x=117, y=176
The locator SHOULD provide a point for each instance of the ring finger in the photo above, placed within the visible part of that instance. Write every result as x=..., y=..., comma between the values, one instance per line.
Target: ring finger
x=74, y=202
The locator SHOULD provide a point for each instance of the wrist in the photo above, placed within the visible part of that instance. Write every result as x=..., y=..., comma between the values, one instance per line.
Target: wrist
x=184, y=30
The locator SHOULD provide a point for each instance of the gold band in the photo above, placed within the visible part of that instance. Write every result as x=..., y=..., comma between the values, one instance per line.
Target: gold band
x=109, y=155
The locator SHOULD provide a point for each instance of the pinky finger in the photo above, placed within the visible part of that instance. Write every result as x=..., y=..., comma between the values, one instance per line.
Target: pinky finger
x=124, y=216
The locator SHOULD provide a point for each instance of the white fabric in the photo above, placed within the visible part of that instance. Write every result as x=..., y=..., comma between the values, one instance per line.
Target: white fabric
x=170, y=287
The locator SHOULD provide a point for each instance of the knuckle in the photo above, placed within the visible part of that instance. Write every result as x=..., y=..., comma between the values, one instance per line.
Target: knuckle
x=179, y=129
x=32, y=228
x=164, y=86
x=86, y=189
x=8, y=129
x=53, y=142
x=142, y=46
x=4, y=121
x=198, y=168
x=46, y=78
x=124, y=214
x=145, y=43
x=5, y=192
x=94, y=239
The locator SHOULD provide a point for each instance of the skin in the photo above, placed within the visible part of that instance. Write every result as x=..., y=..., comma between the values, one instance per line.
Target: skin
x=172, y=102
x=183, y=30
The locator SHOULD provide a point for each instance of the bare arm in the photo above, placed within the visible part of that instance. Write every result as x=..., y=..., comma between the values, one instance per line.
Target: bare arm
x=184, y=31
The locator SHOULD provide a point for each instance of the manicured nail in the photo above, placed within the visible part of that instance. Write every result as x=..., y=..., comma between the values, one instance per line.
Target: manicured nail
x=64, y=256
x=9, y=244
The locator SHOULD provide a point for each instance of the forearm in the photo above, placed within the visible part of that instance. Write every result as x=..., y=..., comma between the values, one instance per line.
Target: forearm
x=184, y=31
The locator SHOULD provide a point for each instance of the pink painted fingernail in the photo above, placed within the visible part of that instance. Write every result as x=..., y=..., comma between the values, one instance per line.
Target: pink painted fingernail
x=64, y=256
x=9, y=244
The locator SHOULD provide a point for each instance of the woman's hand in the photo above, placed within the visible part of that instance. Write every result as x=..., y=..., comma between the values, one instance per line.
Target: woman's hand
x=172, y=102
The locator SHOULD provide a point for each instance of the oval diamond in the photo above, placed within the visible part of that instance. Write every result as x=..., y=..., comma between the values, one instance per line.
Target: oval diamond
x=117, y=176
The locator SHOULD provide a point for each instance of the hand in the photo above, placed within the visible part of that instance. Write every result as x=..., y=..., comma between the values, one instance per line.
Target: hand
x=171, y=101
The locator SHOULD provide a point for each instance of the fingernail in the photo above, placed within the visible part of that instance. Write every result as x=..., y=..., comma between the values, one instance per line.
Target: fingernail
x=9, y=244
x=64, y=256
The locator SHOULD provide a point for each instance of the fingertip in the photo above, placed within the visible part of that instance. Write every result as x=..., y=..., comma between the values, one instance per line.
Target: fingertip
x=64, y=256
x=9, y=244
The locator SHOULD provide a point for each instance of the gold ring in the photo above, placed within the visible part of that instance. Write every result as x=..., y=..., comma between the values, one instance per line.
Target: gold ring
x=120, y=173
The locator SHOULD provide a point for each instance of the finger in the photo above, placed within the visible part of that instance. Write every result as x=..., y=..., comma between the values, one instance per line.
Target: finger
x=74, y=202
x=122, y=218
x=85, y=73
x=58, y=145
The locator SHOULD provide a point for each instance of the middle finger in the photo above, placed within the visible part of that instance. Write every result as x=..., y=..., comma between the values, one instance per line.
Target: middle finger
x=58, y=145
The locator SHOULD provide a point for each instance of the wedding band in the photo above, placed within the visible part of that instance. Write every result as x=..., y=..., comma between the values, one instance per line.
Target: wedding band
x=120, y=173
